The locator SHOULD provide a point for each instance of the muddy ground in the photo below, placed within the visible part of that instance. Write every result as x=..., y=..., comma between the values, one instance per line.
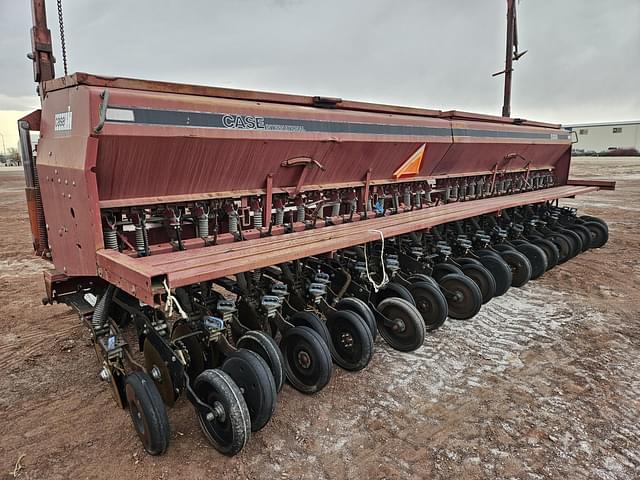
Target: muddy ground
x=543, y=383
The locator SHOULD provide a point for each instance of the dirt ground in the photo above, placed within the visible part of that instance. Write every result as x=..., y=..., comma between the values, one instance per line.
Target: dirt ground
x=543, y=383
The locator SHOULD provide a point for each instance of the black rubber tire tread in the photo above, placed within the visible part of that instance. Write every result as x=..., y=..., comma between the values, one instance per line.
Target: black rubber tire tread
x=143, y=394
x=599, y=234
x=234, y=405
x=500, y=271
x=442, y=269
x=487, y=252
x=411, y=316
x=392, y=290
x=307, y=318
x=575, y=239
x=319, y=353
x=483, y=279
x=591, y=218
x=550, y=250
x=520, y=267
x=259, y=342
x=503, y=247
x=346, y=321
x=563, y=244
x=431, y=304
x=471, y=291
x=537, y=258
x=585, y=235
x=361, y=308
x=260, y=396
x=467, y=261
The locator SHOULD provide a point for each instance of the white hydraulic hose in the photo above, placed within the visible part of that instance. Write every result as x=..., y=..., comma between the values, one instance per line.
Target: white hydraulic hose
x=385, y=277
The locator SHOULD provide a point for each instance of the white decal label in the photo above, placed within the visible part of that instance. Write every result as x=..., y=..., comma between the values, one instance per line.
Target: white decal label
x=63, y=121
x=120, y=115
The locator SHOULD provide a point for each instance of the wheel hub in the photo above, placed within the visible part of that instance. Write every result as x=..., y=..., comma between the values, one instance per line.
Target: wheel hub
x=218, y=412
x=398, y=325
x=346, y=339
x=304, y=359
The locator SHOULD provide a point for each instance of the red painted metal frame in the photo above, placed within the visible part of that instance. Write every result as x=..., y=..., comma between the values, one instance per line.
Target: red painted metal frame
x=142, y=277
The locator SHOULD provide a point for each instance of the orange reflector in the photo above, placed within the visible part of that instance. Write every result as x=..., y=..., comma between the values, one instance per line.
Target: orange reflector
x=412, y=165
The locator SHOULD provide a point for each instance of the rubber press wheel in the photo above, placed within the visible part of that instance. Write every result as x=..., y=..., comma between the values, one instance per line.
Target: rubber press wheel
x=599, y=234
x=500, y=271
x=463, y=296
x=265, y=346
x=536, y=256
x=252, y=375
x=431, y=304
x=148, y=412
x=584, y=233
x=406, y=330
x=228, y=425
x=590, y=218
x=307, y=360
x=575, y=240
x=563, y=245
x=351, y=339
x=442, y=269
x=306, y=318
x=550, y=250
x=519, y=265
x=482, y=278
x=392, y=290
x=356, y=305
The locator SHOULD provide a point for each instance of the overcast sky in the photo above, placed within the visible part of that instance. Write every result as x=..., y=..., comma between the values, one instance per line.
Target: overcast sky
x=583, y=63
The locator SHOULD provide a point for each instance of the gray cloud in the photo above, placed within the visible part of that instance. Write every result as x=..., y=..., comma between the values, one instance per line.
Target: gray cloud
x=582, y=65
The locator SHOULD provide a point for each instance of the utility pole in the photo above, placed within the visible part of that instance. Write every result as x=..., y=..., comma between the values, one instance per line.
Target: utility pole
x=510, y=55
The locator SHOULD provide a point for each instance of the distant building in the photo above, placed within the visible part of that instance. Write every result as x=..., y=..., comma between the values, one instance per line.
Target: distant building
x=607, y=138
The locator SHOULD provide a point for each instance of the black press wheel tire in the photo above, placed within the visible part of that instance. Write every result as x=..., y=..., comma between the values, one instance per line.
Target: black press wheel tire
x=519, y=265
x=584, y=233
x=265, y=346
x=575, y=240
x=351, y=339
x=537, y=258
x=487, y=253
x=464, y=298
x=483, y=279
x=407, y=331
x=356, y=305
x=421, y=277
x=228, y=425
x=148, y=412
x=442, y=269
x=599, y=234
x=503, y=247
x=306, y=318
x=500, y=271
x=431, y=304
x=590, y=218
x=307, y=360
x=467, y=260
x=392, y=290
x=550, y=250
x=563, y=244
x=253, y=376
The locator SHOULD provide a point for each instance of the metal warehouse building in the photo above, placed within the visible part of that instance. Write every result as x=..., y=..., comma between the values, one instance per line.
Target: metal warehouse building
x=600, y=137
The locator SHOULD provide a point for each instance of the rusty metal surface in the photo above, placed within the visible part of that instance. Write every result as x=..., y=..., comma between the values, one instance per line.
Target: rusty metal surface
x=102, y=81
x=601, y=184
x=136, y=275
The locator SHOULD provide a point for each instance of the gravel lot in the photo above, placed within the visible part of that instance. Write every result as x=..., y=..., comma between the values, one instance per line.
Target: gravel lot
x=543, y=383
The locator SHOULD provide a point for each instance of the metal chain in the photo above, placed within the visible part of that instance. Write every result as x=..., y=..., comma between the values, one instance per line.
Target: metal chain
x=62, y=41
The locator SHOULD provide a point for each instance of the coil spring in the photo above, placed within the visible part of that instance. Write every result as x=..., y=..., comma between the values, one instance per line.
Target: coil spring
x=141, y=234
x=407, y=199
x=257, y=218
x=300, y=213
x=454, y=191
x=203, y=226
x=279, y=216
x=110, y=238
x=419, y=198
x=256, y=275
x=233, y=222
x=43, y=238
